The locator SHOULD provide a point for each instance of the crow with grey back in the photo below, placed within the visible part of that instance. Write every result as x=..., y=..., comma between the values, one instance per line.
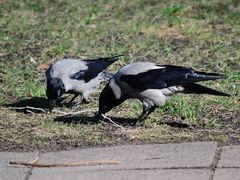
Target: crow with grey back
x=75, y=76
x=152, y=84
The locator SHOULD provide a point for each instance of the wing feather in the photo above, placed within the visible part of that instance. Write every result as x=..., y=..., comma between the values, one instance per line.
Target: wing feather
x=167, y=76
x=94, y=67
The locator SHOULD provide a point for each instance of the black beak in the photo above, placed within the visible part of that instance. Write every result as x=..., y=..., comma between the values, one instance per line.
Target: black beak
x=52, y=103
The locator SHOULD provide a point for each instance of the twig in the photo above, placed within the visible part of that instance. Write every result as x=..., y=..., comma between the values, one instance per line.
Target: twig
x=34, y=161
x=31, y=110
x=82, y=163
x=112, y=122
x=74, y=113
x=27, y=108
x=31, y=162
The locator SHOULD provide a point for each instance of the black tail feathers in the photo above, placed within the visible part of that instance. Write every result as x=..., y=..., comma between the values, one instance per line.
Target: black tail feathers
x=199, y=89
x=203, y=76
x=113, y=58
x=107, y=59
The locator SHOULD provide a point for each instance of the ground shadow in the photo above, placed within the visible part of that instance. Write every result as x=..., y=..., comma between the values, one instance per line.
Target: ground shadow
x=175, y=124
x=84, y=119
x=125, y=121
x=77, y=119
x=135, y=122
x=40, y=103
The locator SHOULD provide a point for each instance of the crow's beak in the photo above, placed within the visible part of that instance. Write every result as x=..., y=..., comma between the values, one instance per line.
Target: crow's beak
x=52, y=103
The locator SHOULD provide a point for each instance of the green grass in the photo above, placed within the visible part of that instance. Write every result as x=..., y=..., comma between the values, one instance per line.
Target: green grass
x=201, y=34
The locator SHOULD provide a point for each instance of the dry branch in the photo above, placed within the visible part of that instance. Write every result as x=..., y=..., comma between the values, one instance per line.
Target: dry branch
x=63, y=113
x=112, y=122
x=27, y=108
x=74, y=113
x=82, y=163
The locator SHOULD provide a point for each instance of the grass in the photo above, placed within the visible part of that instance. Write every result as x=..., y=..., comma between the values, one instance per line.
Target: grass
x=201, y=34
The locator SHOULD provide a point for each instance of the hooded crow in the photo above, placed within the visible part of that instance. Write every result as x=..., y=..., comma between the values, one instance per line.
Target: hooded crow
x=152, y=84
x=75, y=76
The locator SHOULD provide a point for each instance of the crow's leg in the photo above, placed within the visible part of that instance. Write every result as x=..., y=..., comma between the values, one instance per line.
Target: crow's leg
x=143, y=115
x=77, y=105
x=147, y=109
x=86, y=98
x=151, y=110
x=73, y=98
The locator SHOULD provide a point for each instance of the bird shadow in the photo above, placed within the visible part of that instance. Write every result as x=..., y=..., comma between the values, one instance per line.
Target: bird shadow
x=41, y=105
x=85, y=119
x=77, y=119
x=34, y=104
x=125, y=122
x=135, y=122
x=175, y=124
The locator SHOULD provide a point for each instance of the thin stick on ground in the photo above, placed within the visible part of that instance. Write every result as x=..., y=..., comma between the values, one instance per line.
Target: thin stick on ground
x=63, y=113
x=112, y=122
x=27, y=108
x=34, y=161
x=74, y=113
x=82, y=163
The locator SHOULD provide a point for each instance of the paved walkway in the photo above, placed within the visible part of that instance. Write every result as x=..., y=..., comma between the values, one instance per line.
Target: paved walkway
x=184, y=161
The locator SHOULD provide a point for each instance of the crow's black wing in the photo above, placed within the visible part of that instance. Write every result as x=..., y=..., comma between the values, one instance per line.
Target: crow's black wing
x=94, y=67
x=146, y=80
x=199, y=89
x=167, y=76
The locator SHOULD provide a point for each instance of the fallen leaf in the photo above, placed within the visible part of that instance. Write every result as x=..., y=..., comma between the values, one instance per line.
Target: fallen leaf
x=42, y=67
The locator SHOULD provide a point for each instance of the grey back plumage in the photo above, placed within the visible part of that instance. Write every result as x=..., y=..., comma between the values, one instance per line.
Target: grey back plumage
x=79, y=76
x=64, y=69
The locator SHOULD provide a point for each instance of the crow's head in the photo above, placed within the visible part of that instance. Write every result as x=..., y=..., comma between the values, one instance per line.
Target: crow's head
x=55, y=89
x=107, y=101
